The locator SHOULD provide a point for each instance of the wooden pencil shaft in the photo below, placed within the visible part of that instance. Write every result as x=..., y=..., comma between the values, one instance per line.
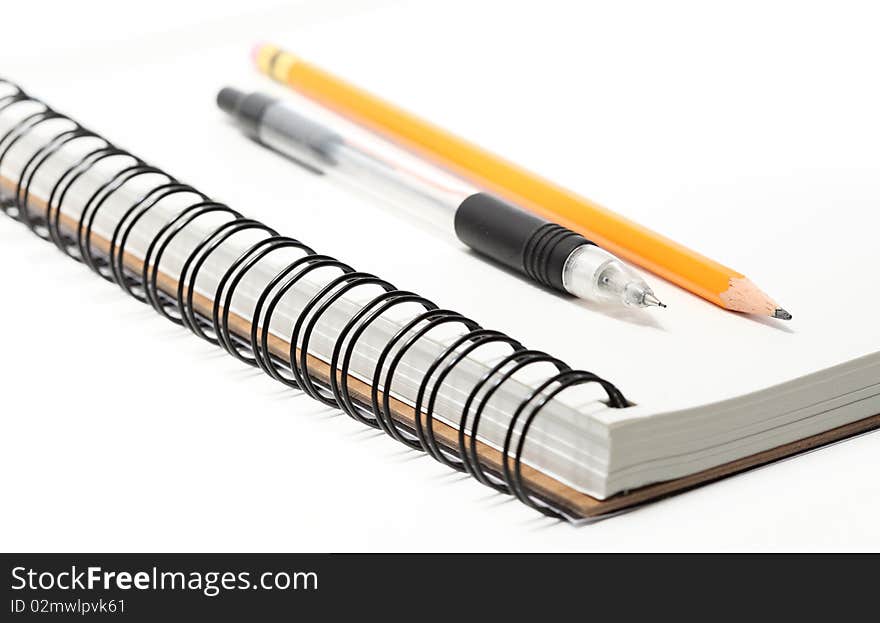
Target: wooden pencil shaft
x=621, y=236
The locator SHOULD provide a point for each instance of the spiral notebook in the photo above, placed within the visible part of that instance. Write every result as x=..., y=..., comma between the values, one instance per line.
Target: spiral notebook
x=569, y=430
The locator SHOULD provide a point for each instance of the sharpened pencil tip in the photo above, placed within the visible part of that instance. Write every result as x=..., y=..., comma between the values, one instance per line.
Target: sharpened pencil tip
x=781, y=314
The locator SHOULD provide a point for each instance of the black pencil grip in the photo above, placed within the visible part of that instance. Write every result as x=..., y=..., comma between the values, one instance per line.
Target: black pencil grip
x=516, y=238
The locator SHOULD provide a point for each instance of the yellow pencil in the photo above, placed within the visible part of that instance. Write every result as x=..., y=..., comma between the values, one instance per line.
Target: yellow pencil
x=675, y=262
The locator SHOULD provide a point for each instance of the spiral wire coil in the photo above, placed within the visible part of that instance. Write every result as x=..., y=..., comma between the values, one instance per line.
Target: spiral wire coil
x=254, y=349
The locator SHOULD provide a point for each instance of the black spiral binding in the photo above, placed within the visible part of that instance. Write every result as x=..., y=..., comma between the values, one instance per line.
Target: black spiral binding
x=255, y=350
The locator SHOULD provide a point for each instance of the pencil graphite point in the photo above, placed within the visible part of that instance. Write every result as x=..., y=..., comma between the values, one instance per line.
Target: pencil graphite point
x=781, y=314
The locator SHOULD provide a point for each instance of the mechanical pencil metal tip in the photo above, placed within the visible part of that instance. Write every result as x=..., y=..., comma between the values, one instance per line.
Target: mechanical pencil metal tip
x=651, y=300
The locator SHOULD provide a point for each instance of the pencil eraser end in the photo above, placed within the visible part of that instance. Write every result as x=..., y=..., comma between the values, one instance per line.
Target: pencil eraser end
x=262, y=54
x=255, y=53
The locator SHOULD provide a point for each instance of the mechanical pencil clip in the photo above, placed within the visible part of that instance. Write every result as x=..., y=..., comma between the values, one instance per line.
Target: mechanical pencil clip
x=546, y=252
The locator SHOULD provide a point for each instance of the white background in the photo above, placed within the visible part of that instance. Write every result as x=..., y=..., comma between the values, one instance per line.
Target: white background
x=122, y=432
